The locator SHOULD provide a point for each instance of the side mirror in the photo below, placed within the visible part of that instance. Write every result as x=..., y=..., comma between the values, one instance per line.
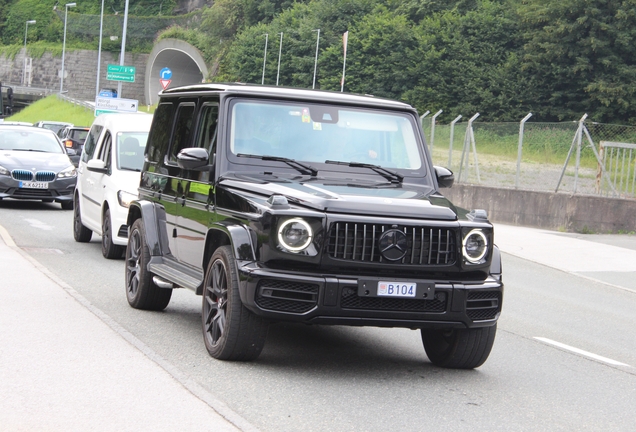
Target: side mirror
x=445, y=177
x=193, y=158
x=97, y=165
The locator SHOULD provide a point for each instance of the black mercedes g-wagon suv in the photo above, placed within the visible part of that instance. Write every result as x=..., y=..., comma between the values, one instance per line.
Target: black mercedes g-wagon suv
x=308, y=206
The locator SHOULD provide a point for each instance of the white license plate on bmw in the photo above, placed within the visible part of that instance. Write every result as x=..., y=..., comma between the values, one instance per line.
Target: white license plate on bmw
x=397, y=289
x=34, y=185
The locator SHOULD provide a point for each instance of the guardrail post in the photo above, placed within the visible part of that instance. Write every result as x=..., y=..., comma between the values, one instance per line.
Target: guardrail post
x=521, y=128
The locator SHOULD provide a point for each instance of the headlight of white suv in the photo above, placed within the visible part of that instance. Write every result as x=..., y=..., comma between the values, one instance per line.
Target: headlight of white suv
x=125, y=198
x=295, y=235
x=68, y=172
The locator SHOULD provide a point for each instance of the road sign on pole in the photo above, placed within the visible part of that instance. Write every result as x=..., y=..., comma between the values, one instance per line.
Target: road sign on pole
x=104, y=104
x=121, y=73
x=165, y=74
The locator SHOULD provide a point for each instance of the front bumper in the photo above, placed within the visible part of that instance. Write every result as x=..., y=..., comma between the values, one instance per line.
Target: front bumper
x=334, y=299
x=60, y=190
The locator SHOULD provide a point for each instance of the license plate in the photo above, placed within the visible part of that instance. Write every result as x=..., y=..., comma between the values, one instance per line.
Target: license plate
x=397, y=289
x=34, y=185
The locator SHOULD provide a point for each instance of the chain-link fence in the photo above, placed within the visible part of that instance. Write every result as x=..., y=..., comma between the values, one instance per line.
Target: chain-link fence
x=576, y=157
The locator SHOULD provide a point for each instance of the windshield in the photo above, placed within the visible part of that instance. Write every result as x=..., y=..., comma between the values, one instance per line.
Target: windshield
x=29, y=141
x=320, y=133
x=131, y=147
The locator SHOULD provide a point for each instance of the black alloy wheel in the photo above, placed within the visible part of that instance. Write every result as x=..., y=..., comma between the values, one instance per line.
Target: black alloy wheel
x=109, y=249
x=141, y=291
x=230, y=330
x=459, y=348
x=81, y=234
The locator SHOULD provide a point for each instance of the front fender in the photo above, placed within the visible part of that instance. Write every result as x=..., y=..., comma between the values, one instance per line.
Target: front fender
x=239, y=238
x=154, y=218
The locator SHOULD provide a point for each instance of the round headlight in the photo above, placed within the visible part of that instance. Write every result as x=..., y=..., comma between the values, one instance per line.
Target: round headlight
x=475, y=246
x=295, y=234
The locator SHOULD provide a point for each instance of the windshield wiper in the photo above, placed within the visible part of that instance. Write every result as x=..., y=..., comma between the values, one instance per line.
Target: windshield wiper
x=299, y=166
x=387, y=174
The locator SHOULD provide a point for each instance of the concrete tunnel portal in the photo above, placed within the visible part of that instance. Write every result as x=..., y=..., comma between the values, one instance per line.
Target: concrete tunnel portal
x=184, y=61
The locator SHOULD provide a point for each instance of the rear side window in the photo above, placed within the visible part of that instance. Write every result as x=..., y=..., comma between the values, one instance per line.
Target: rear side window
x=91, y=142
x=159, y=137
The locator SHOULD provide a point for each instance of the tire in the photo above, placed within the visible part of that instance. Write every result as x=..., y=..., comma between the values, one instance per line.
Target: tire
x=459, y=348
x=109, y=249
x=80, y=232
x=141, y=291
x=230, y=330
x=67, y=205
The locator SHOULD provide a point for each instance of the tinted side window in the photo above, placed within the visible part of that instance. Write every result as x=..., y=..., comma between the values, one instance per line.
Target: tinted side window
x=159, y=137
x=91, y=142
x=182, y=130
x=207, y=131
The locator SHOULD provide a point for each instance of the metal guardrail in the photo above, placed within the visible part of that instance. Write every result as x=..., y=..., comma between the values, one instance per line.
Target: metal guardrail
x=90, y=106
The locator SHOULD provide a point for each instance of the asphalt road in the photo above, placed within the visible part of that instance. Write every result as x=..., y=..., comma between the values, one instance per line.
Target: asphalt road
x=370, y=379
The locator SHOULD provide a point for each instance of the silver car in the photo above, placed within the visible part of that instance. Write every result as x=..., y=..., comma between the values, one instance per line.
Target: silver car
x=34, y=165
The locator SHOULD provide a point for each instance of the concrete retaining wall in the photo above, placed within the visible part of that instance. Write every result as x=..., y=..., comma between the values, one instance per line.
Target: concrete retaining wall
x=554, y=211
x=81, y=69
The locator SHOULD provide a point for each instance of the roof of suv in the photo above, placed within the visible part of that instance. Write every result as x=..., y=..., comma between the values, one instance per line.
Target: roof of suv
x=287, y=93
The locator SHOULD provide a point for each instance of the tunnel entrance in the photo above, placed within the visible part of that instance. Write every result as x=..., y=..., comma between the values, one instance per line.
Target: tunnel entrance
x=185, y=62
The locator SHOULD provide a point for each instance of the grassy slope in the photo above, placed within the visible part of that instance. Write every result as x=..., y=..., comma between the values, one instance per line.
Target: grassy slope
x=53, y=109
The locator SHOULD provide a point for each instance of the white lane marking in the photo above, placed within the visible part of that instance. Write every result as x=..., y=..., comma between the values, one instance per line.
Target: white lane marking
x=39, y=224
x=580, y=351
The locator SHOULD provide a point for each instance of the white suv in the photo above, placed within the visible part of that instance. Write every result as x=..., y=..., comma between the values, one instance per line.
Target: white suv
x=108, y=177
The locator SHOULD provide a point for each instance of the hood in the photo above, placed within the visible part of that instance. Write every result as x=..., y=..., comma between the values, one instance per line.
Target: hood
x=345, y=196
x=34, y=161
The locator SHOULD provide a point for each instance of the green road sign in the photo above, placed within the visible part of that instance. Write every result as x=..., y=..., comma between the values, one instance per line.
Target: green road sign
x=120, y=77
x=121, y=69
x=98, y=112
x=120, y=73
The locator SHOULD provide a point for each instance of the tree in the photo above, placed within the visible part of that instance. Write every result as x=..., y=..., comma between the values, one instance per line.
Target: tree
x=469, y=63
x=580, y=57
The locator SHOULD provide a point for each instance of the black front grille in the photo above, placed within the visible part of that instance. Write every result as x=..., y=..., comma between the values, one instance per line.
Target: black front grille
x=351, y=300
x=44, y=176
x=359, y=242
x=22, y=175
x=32, y=193
x=286, y=296
x=483, y=305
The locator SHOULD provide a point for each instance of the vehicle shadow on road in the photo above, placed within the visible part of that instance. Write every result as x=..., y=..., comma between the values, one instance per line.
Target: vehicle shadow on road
x=29, y=205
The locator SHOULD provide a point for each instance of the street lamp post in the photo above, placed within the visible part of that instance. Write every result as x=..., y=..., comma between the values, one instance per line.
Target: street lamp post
x=26, y=28
x=99, y=50
x=280, y=51
x=68, y=5
x=316, y=61
x=123, y=45
x=264, y=59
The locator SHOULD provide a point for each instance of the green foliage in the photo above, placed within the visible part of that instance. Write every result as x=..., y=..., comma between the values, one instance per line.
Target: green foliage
x=469, y=63
x=53, y=109
x=580, y=56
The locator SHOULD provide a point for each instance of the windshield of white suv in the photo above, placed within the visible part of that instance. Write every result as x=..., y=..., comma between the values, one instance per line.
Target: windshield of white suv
x=36, y=141
x=131, y=147
x=321, y=133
